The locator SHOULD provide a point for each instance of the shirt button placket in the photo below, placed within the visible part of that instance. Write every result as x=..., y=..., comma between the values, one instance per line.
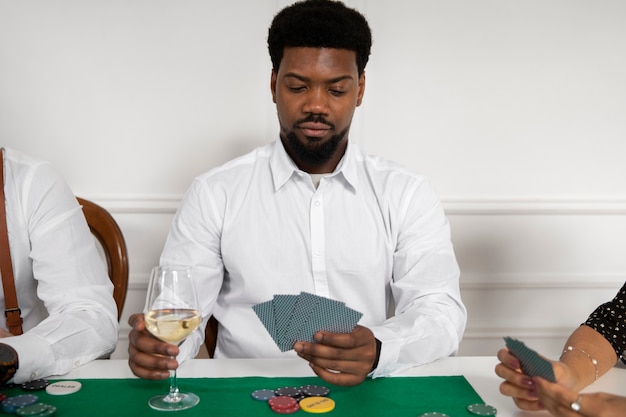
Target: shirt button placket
x=318, y=249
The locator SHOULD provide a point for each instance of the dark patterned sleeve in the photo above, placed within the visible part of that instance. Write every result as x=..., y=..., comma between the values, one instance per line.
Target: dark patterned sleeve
x=609, y=320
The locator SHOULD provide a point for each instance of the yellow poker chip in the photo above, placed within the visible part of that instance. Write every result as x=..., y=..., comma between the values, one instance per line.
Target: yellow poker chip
x=317, y=404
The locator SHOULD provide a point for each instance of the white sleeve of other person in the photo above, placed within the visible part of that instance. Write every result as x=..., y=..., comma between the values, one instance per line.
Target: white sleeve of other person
x=63, y=290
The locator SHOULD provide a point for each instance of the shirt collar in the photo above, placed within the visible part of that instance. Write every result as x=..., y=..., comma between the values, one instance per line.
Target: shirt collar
x=283, y=167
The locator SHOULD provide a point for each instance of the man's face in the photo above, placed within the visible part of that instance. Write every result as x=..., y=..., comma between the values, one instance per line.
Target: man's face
x=316, y=91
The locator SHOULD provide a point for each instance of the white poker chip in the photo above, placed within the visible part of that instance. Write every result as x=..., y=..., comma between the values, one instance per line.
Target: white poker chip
x=63, y=387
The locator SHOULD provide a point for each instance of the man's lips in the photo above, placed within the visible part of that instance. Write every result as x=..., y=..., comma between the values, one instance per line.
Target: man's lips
x=315, y=130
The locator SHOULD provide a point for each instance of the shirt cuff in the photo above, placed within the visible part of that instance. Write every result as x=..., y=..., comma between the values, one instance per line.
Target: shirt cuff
x=376, y=360
x=390, y=346
x=35, y=356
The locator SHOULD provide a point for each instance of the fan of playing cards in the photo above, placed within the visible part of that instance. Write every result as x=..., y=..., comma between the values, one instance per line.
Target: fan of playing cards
x=292, y=317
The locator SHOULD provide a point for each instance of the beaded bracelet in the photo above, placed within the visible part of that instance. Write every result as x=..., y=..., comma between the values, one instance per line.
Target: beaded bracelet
x=593, y=361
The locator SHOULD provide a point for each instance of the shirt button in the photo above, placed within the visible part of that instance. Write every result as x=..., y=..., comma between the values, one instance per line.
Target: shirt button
x=317, y=203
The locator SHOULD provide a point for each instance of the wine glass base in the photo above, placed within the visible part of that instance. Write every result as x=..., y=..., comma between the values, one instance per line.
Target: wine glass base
x=161, y=403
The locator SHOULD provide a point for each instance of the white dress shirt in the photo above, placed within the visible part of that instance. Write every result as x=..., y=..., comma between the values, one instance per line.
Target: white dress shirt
x=61, y=282
x=372, y=235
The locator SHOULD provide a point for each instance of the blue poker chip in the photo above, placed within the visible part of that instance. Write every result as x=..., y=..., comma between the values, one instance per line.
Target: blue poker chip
x=263, y=394
x=11, y=404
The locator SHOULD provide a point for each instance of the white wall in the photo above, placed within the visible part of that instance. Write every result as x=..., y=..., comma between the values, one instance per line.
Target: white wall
x=516, y=110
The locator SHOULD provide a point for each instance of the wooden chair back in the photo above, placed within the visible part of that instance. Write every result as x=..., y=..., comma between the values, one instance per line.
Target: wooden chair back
x=210, y=336
x=108, y=233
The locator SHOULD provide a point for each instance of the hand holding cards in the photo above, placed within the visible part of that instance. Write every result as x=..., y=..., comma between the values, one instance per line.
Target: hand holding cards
x=290, y=317
x=532, y=363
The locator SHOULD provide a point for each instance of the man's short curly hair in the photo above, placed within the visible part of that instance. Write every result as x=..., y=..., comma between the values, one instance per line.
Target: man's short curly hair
x=320, y=24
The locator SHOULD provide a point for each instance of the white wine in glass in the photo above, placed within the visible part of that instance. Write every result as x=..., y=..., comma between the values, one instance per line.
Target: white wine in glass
x=171, y=313
x=171, y=325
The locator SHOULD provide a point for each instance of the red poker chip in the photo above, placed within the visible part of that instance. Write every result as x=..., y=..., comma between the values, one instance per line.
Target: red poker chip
x=289, y=410
x=282, y=403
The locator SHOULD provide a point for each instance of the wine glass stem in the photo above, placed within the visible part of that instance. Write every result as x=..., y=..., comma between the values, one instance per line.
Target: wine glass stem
x=174, y=395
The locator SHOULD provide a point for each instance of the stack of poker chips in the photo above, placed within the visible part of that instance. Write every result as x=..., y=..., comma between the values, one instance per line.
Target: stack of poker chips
x=27, y=405
x=288, y=400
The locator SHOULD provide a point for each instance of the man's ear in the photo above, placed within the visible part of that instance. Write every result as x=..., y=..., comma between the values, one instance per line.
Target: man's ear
x=359, y=98
x=273, y=85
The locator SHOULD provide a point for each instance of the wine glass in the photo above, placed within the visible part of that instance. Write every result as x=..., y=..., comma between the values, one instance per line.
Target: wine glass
x=171, y=313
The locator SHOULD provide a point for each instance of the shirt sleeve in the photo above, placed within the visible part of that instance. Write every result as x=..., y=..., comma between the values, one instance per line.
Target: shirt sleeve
x=81, y=323
x=194, y=239
x=430, y=317
x=609, y=320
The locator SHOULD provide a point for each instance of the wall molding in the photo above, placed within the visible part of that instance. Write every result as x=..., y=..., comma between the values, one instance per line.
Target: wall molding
x=534, y=206
x=540, y=281
x=470, y=206
x=138, y=204
x=139, y=282
x=496, y=332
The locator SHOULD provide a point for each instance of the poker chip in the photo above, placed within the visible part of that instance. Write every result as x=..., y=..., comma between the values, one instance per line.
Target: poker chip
x=11, y=404
x=314, y=390
x=263, y=394
x=317, y=404
x=35, y=385
x=282, y=403
x=290, y=410
x=36, y=410
x=482, y=409
x=3, y=396
x=433, y=414
x=63, y=387
x=292, y=392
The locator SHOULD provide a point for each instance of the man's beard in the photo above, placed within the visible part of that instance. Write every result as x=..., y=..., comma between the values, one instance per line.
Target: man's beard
x=313, y=153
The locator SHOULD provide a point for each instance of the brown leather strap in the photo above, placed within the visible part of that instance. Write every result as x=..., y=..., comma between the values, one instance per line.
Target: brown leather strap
x=12, y=311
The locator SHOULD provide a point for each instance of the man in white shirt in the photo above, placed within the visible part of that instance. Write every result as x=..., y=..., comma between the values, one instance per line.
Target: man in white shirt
x=63, y=291
x=311, y=212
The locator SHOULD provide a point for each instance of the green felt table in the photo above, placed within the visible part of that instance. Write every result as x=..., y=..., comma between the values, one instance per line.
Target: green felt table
x=394, y=396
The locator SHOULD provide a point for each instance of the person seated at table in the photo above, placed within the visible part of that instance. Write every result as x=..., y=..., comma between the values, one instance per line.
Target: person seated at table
x=590, y=351
x=68, y=314
x=311, y=212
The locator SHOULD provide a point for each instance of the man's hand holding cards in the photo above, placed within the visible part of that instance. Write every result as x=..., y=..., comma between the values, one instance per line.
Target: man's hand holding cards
x=289, y=318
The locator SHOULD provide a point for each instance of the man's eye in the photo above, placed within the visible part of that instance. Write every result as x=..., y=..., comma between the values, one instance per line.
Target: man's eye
x=337, y=92
x=296, y=88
